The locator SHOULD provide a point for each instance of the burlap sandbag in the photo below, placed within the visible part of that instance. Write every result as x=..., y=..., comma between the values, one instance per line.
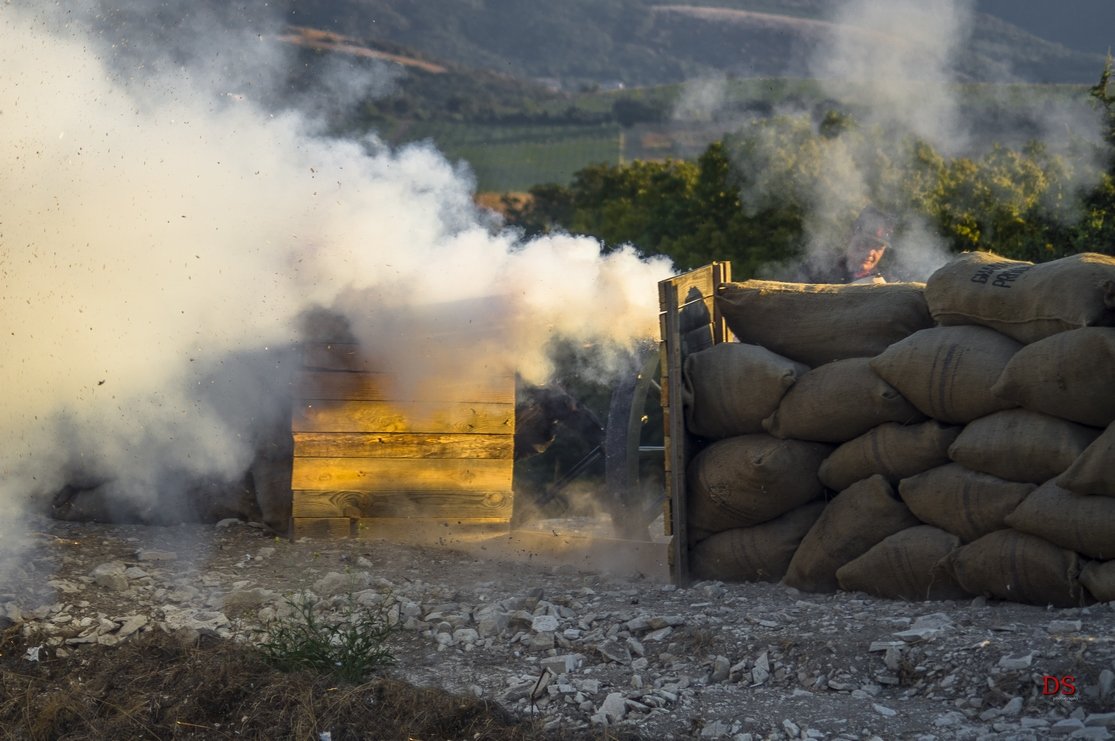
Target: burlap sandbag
x=1022, y=300
x=1079, y=522
x=759, y=553
x=1098, y=577
x=853, y=522
x=907, y=565
x=815, y=324
x=1069, y=375
x=731, y=387
x=1015, y=566
x=751, y=479
x=948, y=372
x=1093, y=472
x=1020, y=445
x=895, y=451
x=965, y=503
x=837, y=402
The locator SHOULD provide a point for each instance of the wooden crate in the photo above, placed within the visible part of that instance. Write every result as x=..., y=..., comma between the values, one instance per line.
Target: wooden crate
x=689, y=322
x=368, y=452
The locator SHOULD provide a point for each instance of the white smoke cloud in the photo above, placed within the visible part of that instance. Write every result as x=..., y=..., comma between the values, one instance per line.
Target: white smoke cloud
x=895, y=57
x=700, y=100
x=159, y=234
x=892, y=63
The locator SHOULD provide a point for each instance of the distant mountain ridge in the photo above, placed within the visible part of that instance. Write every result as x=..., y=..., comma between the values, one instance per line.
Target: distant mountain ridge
x=648, y=42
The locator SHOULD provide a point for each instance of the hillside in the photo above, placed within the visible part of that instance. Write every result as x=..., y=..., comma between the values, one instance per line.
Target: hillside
x=642, y=42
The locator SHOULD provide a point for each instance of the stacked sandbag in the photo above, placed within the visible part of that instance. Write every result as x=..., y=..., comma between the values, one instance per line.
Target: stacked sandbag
x=1081, y=522
x=1099, y=579
x=730, y=388
x=1024, y=301
x=748, y=480
x=818, y=323
x=837, y=402
x=1070, y=375
x=759, y=553
x=909, y=565
x=1020, y=445
x=857, y=519
x=892, y=450
x=1006, y=494
x=948, y=372
x=1093, y=472
x=964, y=503
x=1019, y=567
x=961, y=428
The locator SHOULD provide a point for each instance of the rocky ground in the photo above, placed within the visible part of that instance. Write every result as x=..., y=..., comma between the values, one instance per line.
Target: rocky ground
x=585, y=652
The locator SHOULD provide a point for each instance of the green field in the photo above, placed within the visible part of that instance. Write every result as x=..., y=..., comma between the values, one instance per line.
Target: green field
x=513, y=158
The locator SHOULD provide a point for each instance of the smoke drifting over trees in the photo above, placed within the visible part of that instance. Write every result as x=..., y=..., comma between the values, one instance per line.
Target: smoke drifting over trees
x=166, y=226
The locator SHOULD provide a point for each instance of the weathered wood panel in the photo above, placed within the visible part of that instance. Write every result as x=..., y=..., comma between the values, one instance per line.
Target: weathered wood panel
x=699, y=326
x=451, y=505
x=321, y=527
x=359, y=386
x=402, y=445
x=390, y=474
x=371, y=446
x=382, y=416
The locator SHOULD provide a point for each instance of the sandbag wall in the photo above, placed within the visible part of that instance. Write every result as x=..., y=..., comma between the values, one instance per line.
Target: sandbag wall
x=913, y=441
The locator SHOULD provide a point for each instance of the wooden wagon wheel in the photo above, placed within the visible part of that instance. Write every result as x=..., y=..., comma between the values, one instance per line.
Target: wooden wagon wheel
x=634, y=498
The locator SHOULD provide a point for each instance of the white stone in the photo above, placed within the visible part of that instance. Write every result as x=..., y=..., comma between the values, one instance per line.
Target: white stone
x=884, y=710
x=1017, y=661
x=614, y=708
x=544, y=624
x=1106, y=720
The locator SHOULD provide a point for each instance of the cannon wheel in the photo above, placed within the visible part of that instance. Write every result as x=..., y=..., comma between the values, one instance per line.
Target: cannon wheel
x=634, y=504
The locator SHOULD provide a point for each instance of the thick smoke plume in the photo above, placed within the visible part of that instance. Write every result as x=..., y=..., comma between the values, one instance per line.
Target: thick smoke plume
x=166, y=227
x=893, y=63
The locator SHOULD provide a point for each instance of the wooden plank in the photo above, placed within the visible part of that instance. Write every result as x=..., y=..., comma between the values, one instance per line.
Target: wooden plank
x=358, y=386
x=402, y=445
x=674, y=295
x=320, y=527
x=381, y=416
x=701, y=278
x=679, y=560
x=390, y=474
x=452, y=505
x=427, y=530
x=721, y=274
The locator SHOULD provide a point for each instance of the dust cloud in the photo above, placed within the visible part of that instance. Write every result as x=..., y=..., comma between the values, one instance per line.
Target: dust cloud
x=167, y=226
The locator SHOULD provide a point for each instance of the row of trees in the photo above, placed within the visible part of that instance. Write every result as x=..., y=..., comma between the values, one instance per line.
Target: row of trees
x=761, y=196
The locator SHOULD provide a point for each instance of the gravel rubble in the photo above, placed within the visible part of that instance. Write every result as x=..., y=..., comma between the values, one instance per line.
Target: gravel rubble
x=586, y=651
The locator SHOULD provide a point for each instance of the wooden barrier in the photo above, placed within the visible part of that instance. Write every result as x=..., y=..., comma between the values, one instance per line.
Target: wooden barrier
x=689, y=321
x=370, y=448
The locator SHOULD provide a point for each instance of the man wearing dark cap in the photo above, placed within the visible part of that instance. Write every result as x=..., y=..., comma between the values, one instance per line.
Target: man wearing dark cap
x=870, y=238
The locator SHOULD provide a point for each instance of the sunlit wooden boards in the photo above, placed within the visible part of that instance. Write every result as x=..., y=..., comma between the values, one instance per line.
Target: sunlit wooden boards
x=374, y=449
x=689, y=322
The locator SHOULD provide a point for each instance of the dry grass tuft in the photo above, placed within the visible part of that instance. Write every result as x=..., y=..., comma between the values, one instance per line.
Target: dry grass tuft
x=156, y=687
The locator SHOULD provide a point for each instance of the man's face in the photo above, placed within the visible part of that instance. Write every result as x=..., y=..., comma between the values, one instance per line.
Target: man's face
x=863, y=254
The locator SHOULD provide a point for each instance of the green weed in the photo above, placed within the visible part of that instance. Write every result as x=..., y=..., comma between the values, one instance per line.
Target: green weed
x=349, y=644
